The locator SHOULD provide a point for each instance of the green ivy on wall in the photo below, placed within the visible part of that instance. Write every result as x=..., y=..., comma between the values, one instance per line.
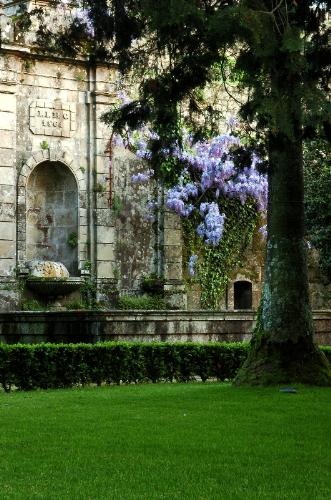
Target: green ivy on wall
x=215, y=264
x=317, y=178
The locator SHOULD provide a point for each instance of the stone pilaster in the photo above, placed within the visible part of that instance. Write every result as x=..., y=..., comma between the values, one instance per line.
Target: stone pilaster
x=174, y=287
x=7, y=172
x=104, y=232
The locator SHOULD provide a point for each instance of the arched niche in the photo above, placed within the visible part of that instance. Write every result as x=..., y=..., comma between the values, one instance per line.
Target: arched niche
x=52, y=215
x=242, y=295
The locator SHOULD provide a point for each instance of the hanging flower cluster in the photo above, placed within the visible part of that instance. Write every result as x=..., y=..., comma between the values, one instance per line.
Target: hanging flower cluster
x=211, y=229
x=191, y=264
x=208, y=175
x=143, y=176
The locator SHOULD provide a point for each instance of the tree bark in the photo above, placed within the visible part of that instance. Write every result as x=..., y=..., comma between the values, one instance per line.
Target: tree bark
x=282, y=347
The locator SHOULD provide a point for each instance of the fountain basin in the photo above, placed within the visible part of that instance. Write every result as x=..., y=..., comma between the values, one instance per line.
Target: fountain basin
x=54, y=287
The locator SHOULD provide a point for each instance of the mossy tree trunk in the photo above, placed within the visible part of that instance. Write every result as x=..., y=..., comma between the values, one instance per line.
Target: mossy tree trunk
x=282, y=348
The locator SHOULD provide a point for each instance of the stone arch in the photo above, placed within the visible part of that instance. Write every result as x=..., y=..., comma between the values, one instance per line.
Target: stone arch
x=53, y=156
x=50, y=154
x=243, y=294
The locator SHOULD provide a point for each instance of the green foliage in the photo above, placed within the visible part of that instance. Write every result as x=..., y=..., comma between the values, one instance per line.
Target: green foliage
x=32, y=305
x=168, y=168
x=72, y=240
x=53, y=366
x=28, y=64
x=116, y=272
x=148, y=302
x=117, y=204
x=152, y=283
x=267, y=41
x=75, y=305
x=45, y=366
x=100, y=188
x=88, y=292
x=318, y=200
x=44, y=145
x=87, y=266
x=79, y=75
x=216, y=264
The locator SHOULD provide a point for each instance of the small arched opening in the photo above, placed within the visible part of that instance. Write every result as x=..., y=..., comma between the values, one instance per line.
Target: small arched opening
x=243, y=295
x=52, y=215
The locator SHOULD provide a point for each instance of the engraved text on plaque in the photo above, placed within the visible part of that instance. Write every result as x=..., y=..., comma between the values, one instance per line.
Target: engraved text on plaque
x=52, y=118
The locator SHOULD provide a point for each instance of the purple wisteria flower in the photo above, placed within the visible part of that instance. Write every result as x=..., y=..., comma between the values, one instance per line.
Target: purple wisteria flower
x=249, y=183
x=117, y=140
x=83, y=17
x=211, y=229
x=232, y=122
x=263, y=230
x=142, y=177
x=208, y=176
x=191, y=264
x=178, y=195
x=152, y=205
x=123, y=97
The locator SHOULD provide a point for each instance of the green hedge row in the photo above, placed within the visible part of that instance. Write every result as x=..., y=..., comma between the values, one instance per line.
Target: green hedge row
x=32, y=366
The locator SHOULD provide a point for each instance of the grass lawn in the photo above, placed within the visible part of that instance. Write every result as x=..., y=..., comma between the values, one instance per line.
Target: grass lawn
x=174, y=441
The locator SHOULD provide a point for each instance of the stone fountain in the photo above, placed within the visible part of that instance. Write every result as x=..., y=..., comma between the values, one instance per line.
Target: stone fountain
x=51, y=280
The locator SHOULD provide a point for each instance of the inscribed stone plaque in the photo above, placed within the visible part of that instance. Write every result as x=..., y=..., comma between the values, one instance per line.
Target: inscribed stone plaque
x=52, y=118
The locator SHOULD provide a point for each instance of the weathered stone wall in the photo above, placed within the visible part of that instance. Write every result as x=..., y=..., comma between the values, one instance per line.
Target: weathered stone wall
x=51, y=134
x=253, y=272
x=139, y=326
x=7, y=168
x=136, y=237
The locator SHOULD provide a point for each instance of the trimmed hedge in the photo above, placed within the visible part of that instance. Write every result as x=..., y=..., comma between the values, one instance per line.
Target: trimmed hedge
x=32, y=366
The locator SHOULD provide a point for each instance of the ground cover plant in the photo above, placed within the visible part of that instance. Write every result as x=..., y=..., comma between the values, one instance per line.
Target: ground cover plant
x=174, y=441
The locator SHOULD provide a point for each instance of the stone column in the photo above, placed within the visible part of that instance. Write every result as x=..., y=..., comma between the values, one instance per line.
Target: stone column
x=7, y=172
x=104, y=231
x=174, y=287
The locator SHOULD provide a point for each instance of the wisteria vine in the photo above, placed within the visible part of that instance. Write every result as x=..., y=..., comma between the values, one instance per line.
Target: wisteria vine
x=208, y=176
x=214, y=195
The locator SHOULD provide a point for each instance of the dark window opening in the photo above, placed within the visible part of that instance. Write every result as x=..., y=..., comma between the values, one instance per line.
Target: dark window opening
x=242, y=295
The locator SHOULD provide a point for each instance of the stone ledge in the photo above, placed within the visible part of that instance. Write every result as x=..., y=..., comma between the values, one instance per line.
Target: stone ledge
x=141, y=326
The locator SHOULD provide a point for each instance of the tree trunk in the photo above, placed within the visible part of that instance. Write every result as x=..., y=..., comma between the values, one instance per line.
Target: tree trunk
x=282, y=348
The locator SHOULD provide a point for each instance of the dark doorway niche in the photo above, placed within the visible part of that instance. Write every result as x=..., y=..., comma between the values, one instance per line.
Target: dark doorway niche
x=242, y=295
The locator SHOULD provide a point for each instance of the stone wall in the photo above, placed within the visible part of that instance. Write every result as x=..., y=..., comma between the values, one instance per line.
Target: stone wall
x=252, y=272
x=139, y=326
x=56, y=179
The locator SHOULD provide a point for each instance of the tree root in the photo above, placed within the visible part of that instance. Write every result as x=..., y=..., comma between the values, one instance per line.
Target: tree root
x=271, y=363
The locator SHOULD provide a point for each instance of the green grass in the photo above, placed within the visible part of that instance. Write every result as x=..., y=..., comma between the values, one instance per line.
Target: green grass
x=173, y=441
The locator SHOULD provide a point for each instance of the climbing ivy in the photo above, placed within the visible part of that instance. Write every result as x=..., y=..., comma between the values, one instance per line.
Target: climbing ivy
x=216, y=263
x=317, y=174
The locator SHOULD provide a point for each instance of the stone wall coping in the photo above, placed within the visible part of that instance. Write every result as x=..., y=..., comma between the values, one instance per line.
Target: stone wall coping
x=21, y=50
x=141, y=315
x=138, y=326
